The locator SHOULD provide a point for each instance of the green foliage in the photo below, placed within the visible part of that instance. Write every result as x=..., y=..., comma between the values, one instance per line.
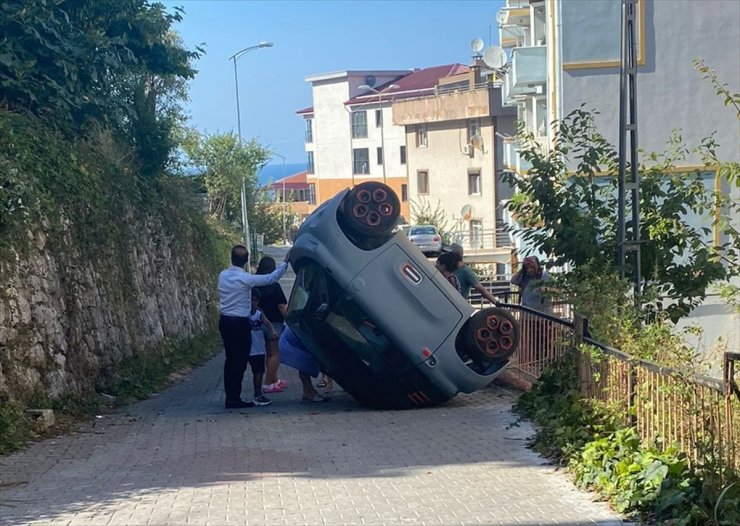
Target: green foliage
x=79, y=64
x=15, y=427
x=141, y=376
x=652, y=481
x=224, y=162
x=571, y=215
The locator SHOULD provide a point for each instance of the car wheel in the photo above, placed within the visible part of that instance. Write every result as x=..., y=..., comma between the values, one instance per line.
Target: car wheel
x=371, y=209
x=492, y=334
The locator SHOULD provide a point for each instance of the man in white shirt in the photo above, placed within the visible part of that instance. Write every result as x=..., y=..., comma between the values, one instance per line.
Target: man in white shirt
x=235, y=303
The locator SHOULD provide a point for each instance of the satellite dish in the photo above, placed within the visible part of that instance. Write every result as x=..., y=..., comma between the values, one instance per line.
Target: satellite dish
x=494, y=57
x=476, y=141
x=467, y=212
x=370, y=81
x=477, y=45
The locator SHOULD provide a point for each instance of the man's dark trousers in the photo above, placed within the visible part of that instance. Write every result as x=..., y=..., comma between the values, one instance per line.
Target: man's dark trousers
x=236, y=333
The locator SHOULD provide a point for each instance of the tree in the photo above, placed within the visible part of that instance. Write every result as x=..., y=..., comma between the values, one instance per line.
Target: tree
x=224, y=161
x=571, y=214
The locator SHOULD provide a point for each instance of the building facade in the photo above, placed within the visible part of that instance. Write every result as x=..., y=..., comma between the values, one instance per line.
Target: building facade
x=343, y=133
x=566, y=53
x=452, y=159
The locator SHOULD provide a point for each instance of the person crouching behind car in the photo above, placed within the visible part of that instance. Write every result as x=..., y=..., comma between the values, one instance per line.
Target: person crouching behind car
x=294, y=354
x=466, y=277
x=235, y=302
x=447, y=264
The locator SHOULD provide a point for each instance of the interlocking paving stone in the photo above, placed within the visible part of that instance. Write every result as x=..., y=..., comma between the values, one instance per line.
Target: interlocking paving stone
x=181, y=458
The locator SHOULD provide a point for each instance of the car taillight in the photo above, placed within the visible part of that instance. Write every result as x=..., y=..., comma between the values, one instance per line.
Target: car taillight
x=436, y=238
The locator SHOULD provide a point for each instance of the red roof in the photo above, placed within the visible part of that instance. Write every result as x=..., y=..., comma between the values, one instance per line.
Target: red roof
x=305, y=110
x=292, y=182
x=416, y=84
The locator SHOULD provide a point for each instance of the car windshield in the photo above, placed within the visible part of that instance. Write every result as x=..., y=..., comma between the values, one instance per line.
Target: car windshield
x=310, y=300
x=423, y=231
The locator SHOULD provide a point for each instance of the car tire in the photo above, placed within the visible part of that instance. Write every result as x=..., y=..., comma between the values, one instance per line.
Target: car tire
x=371, y=209
x=491, y=334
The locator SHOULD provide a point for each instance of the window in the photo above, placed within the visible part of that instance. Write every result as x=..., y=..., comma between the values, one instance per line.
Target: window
x=476, y=233
x=310, y=168
x=311, y=193
x=541, y=117
x=402, y=152
x=361, y=161
x=474, y=182
x=422, y=182
x=359, y=124
x=473, y=128
x=404, y=192
x=421, y=136
x=380, y=156
x=378, y=118
x=309, y=130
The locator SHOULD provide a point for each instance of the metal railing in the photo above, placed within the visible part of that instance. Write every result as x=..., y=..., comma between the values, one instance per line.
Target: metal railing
x=698, y=414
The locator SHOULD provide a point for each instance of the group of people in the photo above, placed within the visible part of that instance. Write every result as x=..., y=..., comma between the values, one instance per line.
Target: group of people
x=252, y=326
x=530, y=279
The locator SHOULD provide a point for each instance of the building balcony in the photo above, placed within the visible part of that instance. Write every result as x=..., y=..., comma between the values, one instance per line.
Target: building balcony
x=528, y=66
x=513, y=161
x=450, y=103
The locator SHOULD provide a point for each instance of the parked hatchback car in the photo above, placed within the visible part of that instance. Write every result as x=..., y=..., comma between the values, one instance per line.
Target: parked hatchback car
x=427, y=238
x=377, y=315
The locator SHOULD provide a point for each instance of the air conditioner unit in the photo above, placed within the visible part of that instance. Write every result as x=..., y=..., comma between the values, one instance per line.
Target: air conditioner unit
x=467, y=149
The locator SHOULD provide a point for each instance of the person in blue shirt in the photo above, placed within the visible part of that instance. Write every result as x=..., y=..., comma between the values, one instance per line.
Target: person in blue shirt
x=235, y=303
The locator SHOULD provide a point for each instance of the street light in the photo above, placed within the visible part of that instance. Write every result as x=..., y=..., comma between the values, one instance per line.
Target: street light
x=382, y=120
x=285, y=231
x=245, y=220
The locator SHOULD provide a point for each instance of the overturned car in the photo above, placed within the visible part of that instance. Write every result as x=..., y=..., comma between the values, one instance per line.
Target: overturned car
x=378, y=316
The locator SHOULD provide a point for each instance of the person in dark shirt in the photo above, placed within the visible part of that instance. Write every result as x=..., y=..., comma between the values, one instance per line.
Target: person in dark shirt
x=274, y=304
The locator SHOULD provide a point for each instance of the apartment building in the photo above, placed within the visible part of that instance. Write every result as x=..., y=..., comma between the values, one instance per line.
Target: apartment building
x=349, y=135
x=428, y=133
x=452, y=159
x=565, y=53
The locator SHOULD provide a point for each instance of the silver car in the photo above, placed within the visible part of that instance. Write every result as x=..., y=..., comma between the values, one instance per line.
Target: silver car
x=427, y=238
x=377, y=315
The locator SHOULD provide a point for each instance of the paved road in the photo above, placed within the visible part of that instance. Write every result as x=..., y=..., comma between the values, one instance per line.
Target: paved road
x=181, y=458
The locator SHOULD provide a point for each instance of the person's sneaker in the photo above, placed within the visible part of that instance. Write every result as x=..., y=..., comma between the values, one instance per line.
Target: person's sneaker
x=272, y=388
x=238, y=404
x=282, y=384
x=262, y=400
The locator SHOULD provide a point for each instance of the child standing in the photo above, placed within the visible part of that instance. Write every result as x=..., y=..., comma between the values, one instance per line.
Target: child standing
x=257, y=354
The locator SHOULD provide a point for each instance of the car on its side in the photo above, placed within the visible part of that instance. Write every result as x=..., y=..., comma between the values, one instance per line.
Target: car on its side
x=378, y=316
x=427, y=238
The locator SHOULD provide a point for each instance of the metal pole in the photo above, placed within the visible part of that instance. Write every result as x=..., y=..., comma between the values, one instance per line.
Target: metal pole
x=243, y=189
x=243, y=185
x=382, y=137
x=285, y=230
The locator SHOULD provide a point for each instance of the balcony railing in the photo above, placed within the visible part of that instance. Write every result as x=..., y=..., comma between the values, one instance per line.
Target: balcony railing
x=528, y=66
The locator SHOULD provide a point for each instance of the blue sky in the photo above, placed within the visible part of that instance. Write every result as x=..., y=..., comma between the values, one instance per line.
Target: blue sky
x=312, y=37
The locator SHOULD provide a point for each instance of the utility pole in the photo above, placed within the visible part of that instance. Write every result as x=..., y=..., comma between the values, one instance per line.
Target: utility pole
x=628, y=243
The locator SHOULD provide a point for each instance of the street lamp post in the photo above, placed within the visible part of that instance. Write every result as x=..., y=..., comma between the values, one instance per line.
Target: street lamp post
x=245, y=219
x=382, y=119
x=285, y=231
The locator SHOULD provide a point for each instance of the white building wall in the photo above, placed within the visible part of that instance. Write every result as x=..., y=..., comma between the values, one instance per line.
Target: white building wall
x=448, y=173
